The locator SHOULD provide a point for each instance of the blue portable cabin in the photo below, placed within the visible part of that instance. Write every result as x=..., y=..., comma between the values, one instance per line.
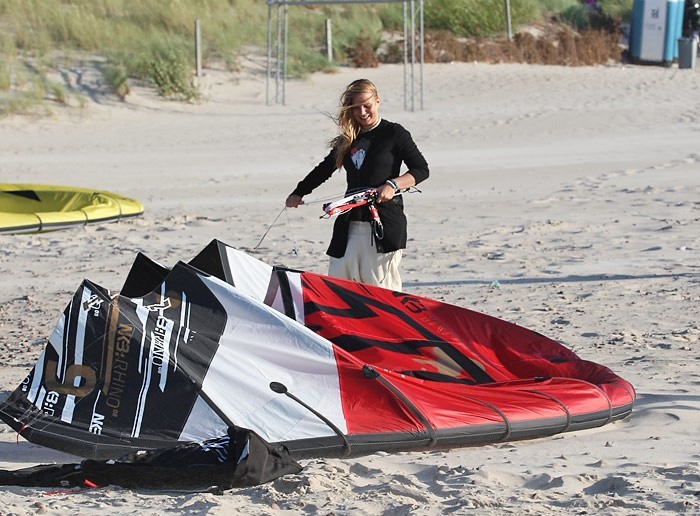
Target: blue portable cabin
x=656, y=27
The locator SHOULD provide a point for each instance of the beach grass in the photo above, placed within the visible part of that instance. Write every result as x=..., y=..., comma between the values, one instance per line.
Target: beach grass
x=152, y=41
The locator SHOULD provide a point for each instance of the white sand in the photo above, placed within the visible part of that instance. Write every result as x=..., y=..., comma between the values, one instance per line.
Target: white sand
x=576, y=189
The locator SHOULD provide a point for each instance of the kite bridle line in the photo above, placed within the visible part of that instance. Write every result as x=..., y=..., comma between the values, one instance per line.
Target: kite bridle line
x=337, y=196
x=270, y=227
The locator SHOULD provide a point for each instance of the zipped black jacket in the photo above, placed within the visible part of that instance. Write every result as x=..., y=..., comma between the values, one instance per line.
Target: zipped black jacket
x=387, y=146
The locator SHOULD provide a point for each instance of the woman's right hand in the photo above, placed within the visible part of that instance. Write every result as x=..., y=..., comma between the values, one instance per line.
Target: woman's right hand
x=293, y=201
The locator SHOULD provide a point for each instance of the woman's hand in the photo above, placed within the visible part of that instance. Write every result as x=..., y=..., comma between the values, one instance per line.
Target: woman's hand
x=293, y=201
x=385, y=193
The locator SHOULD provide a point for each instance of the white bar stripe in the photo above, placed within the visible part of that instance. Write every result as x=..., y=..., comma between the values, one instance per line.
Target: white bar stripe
x=37, y=381
x=69, y=405
x=142, y=314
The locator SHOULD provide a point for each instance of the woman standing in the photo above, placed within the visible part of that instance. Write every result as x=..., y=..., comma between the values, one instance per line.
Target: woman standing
x=371, y=150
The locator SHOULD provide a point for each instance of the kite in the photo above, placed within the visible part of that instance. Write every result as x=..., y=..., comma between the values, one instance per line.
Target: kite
x=306, y=364
x=29, y=208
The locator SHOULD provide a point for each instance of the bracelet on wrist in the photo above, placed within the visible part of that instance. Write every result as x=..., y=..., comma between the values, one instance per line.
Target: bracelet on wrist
x=392, y=184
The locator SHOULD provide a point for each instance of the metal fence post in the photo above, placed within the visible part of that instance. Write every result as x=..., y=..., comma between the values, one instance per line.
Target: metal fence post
x=282, y=43
x=329, y=40
x=198, y=47
x=509, y=27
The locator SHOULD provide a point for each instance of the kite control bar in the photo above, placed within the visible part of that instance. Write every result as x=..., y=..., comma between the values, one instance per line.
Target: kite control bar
x=350, y=202
x=346, y=204
x=368, y=197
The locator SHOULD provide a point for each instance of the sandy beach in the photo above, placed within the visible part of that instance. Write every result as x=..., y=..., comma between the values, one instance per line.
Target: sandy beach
x=565, y=200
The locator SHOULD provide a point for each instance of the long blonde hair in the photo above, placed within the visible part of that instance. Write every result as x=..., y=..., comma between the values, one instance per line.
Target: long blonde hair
x=348, y=128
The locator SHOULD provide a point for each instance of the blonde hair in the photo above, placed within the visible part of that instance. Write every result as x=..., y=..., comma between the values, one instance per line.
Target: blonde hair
x=348, y=128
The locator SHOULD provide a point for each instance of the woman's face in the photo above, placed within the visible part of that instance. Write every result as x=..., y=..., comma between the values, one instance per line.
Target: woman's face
x=365, y=109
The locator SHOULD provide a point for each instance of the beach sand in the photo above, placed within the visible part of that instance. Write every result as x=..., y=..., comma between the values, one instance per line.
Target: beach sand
x=566, y=200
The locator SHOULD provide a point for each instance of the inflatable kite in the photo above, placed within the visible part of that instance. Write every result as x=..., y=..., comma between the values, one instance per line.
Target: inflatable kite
x=309, y=365
x=27, y=208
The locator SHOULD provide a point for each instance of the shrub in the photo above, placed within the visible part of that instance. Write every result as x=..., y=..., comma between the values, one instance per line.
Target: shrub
x=118, y=80
x=171, y=73
x=477, y=17
x=4, y=77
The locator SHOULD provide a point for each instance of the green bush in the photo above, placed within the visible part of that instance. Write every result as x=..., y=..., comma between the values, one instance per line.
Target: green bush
x=556, y=6
x=117, y=79
x=391, y=16
x=4, y=77
x=171, y=72
x=27, y=101
x=578, y=16
x=621, y=9
x=478, y=17
x=57, y=92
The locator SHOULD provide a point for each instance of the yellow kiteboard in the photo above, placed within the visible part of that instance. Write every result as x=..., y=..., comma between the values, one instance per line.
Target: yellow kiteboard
x=30, y=208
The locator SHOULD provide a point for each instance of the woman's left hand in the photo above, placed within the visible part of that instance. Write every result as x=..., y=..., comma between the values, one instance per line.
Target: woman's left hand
x=385, y=193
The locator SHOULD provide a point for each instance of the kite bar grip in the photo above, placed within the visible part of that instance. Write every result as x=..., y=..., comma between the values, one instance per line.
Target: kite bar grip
x=280, y=388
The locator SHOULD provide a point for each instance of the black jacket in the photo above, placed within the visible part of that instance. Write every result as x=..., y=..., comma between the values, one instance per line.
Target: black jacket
x=387, y=146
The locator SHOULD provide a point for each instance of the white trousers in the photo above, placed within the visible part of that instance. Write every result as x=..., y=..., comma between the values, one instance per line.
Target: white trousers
x=363, y=263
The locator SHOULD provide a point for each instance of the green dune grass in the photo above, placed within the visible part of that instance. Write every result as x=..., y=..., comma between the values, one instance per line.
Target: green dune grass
x=152, y=41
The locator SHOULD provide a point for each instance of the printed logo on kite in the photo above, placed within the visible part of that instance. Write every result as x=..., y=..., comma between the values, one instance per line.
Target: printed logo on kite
x=93, y=304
